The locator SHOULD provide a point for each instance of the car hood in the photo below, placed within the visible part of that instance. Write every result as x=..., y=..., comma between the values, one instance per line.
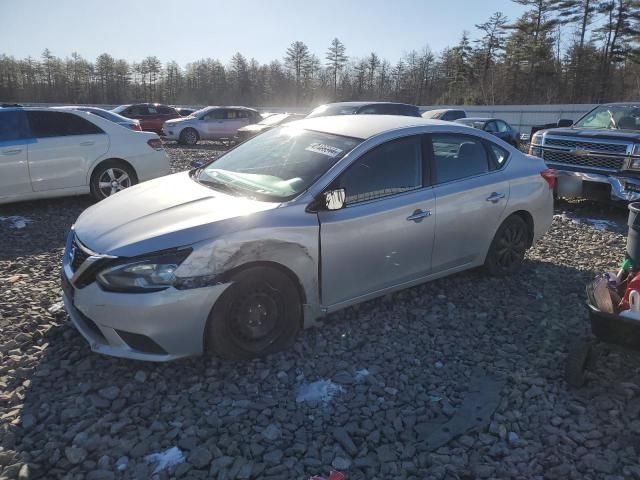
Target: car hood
x=164, y=213
x=592, y=134
x=175, y=121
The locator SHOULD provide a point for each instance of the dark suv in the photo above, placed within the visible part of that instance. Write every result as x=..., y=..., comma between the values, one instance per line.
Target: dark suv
x=151, y=115
x=598, y=156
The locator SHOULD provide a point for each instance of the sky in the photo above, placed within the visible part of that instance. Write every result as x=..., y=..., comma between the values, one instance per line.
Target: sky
x=188, y=30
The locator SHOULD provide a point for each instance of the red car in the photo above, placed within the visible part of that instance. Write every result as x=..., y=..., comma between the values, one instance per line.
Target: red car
x=151, y=115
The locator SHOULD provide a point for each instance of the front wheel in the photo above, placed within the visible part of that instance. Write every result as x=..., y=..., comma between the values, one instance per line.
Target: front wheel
x=111, y=177
x=189, y=136
x=258, y=314
x=508, y=247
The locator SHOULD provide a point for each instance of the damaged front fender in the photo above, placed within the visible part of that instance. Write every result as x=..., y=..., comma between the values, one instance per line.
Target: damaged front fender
x=296, y=251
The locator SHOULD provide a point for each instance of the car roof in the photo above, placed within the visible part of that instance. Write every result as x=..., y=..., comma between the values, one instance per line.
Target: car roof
x=363, y=126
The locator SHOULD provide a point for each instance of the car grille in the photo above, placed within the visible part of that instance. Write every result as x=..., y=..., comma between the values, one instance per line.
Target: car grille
x=615, y=148
x=609, y=163
x=79, y=256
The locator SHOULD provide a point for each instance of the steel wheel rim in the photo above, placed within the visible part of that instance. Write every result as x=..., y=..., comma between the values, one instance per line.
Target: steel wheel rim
x=253, y=320
x=113, y=180
x=511, y=247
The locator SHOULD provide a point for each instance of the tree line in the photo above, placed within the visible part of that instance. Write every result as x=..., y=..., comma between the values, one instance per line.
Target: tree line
x=557, y=51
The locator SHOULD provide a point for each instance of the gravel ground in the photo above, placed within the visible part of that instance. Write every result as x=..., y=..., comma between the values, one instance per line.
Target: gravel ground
x=366, y=393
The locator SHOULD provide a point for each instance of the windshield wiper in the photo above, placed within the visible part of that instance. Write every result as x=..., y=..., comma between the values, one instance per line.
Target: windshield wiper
x=218, y=185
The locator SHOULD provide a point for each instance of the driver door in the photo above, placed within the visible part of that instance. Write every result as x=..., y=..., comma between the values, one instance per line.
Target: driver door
x=384, y=235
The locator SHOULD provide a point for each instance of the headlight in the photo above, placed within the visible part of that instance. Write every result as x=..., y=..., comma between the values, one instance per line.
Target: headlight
x=536, y=139
x=144, y=274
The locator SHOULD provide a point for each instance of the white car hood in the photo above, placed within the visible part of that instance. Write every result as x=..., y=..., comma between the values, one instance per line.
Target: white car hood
x=167, y=212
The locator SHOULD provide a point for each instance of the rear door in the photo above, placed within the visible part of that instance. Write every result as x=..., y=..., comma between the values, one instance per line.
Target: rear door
x=471, y=192
x=14, y=139
x=65, y=146
x=235, y=119
x=213, y=123
x=384, y=235
x=140, y=113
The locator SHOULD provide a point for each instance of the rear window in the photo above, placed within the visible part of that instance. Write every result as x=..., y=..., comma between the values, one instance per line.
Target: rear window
x=59, y=124
x=12, y=126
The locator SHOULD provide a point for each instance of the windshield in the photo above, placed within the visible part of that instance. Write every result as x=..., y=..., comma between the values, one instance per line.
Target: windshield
x=274, y=119
x=613, y=117
x=327, y=110
x=277, y=165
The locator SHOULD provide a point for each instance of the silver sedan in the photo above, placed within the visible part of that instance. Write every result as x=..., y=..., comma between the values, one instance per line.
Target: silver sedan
x=235, y=256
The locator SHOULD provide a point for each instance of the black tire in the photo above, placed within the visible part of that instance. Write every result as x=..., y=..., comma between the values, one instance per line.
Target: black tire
x=508, y=247
x=189, y=136
x=258, y=314
x=114, y=172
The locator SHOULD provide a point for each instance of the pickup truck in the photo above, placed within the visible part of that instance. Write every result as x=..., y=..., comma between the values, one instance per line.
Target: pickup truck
x=598, y=156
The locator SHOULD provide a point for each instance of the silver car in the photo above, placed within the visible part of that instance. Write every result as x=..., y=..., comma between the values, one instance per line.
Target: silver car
x=234, y=257
x=210, y=123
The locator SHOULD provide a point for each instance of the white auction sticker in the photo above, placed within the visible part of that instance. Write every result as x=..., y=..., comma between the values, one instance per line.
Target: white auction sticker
x=323, y=149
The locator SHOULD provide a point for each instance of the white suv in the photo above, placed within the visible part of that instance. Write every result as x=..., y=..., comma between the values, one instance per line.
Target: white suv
x=48, y=152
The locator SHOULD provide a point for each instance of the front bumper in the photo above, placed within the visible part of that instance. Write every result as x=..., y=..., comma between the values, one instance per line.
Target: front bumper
x=154, y=326
x=170, y=133
x=570, y=183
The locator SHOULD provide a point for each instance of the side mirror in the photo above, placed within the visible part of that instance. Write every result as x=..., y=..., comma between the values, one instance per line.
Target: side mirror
x=197, y=164
x=564, y=122
x=334, y=199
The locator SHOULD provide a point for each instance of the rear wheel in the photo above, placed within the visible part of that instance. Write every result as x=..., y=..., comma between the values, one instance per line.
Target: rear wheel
x=189, y=136
x=258, y=314
x=508, y=247
x=111, y=177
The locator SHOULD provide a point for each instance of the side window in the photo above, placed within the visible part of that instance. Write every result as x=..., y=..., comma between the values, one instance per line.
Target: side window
x=12, y=126
x=502, y=127
x=232, y=114
x=59, y=124
x=491, y=127
x=138, y=111
x=152, y=111
x=79, y=126
x=165, y=110
x=457, y=156
x=218, y=114
x=499, y=154
x=393, y=167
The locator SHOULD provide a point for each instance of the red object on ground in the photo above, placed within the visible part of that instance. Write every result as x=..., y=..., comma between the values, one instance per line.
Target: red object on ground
x=633, y=284
x=333, y=475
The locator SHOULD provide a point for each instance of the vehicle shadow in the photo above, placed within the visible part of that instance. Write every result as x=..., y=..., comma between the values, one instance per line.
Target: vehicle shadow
x=70, y=410
x=38, y=226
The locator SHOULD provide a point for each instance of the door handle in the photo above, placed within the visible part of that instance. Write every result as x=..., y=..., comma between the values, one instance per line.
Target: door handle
x=495, y=197
x=12, y=152
x=418, y=215
x=87, y=144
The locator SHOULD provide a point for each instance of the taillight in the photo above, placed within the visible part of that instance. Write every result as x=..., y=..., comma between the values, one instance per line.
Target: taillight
x=155, y=143
x=135, y=126
x=550, y=177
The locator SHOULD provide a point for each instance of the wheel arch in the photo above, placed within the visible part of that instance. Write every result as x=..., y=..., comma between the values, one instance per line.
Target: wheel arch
x=528, y=219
